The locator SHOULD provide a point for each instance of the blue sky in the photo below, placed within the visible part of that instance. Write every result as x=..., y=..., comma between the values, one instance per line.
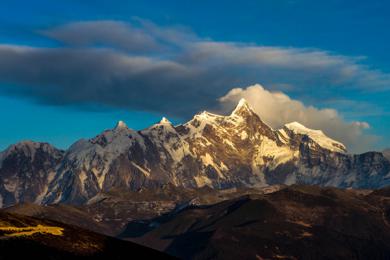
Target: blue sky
x=61, y=91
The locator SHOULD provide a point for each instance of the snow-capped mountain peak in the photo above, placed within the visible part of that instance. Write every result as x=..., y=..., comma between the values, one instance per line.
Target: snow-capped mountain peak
x=299, y=128
x=209, y=150
x=242, y=107
x=120, y=125
x=165, y=121
x=317, y=136
x=243, y=103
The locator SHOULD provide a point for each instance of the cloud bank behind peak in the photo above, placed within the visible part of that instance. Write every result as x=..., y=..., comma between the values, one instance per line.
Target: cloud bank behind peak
x=171, y=70
x=277, y=109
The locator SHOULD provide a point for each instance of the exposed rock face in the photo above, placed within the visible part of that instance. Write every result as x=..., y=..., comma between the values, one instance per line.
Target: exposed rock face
x=237, y=150
x=26, y=169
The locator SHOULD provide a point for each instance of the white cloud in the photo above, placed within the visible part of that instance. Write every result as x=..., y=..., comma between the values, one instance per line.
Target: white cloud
x=277, y=109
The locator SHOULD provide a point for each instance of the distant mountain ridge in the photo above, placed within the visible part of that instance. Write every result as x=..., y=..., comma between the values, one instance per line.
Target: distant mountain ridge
x=237, y=150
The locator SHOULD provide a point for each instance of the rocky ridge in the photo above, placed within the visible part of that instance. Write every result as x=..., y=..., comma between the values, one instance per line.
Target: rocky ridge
x=220, y=152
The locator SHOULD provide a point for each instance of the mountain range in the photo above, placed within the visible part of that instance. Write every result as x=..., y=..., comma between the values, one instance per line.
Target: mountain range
x=198, y=190
x=215, y=151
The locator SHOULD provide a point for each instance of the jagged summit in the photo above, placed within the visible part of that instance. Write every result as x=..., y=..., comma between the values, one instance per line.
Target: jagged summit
x=318, y=136
x=165, y=121
x=298, y=127
x=120, y=125
x=243, y=103
x=205, y=115
x=242, y=107
x=218, y=151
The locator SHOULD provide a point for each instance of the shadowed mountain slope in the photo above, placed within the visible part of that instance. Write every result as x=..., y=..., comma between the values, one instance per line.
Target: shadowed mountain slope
x=22, y=237
x=298, y=222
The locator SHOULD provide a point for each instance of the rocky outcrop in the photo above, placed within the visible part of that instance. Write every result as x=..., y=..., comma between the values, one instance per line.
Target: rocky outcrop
x=26, y=170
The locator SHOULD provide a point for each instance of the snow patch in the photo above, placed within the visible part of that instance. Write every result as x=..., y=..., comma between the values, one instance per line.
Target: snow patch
x=49, y=179
x=317, y=136
x=202, y=181
x=82, y=178
x=145, y=172
x=244, y=135
x=277, y=155
x=207, y=160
